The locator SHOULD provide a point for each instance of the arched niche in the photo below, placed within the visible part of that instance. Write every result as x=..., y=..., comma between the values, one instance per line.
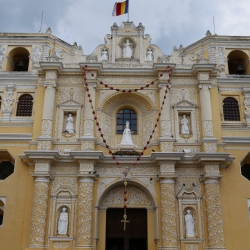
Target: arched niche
x=238, y=58
x=112, y=197
x=63, y=194
x=144, y=107
x=18, y=59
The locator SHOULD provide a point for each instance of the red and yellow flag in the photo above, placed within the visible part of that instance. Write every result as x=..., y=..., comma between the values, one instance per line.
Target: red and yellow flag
x=120, y=8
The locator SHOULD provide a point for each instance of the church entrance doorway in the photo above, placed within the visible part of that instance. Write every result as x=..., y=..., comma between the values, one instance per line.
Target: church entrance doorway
x=135, y=235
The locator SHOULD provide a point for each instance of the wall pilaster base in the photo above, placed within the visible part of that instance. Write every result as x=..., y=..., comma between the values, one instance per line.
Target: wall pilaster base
x=215, y=248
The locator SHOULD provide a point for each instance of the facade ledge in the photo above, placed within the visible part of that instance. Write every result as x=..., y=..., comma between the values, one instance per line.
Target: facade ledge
x=15, y=137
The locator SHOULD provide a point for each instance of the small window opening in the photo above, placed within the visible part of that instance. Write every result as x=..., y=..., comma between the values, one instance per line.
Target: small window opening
x=231, y=109
x=6, y=169
x=25, y=105
x=122, y=117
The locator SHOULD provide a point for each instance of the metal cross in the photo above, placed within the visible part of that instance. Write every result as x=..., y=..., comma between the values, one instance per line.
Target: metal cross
x=125, y=221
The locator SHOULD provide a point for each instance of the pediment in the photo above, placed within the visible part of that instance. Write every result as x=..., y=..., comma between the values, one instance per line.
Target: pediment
x=128, y=27
x=71, y=103
x=184, y=103
x=189, y=193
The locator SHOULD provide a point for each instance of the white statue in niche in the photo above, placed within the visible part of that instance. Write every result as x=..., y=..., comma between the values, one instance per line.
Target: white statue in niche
x=189, y=224
x=104, y=55
x=127, y=49
x=184, y=126
x=63, y=222
x=127, y=142
x=70, y=125
x=127, y=138
x=149, y=55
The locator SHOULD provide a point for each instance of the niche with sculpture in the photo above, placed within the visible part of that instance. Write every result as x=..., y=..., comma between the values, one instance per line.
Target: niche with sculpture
x=190, y=212
x=186, y=122
x=62, y=220
x=127, y=46
x=149, y=55
x=68, y=121
x=104, y=54
x=62, y=211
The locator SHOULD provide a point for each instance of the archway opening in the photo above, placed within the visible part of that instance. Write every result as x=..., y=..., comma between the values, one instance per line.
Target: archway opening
x=238, y=63
x=18, y=60
x=128, y=234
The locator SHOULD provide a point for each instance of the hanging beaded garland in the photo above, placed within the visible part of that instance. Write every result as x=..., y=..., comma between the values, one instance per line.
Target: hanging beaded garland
x=124, y=170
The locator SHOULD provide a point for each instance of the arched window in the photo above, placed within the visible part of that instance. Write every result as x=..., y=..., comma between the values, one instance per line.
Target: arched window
x=231, y=109
x=18, y=59
x=122, y=117
x=24, y=106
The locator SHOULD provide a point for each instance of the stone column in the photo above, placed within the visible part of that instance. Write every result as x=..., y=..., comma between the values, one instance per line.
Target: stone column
x=246, y=92
x=46, y=49
x=44, y=141
x=84, y=239
x=141, y=34
x=214, y=213
x=114, y=34
x=87, y=141
x=209, y=142
x=168, y=207
x=40, y=203
x=166, y=140
x=7, y=106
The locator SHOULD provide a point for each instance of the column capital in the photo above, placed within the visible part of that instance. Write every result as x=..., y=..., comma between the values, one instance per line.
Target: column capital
x=205, y=86
x=164, y=86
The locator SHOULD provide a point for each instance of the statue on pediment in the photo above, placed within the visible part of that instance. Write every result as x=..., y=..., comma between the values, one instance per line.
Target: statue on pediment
x=149, y=55
x=127, y=49
x=104, y=55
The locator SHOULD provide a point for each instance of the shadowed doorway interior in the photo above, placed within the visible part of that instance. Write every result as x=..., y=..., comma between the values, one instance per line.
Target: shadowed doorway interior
x=135, y=235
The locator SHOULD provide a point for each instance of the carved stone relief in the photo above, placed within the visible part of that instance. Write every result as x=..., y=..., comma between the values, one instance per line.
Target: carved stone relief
x=135, y=197
x=61, y=245
x=189, y=182
x=8, y=100
x=36, y=57
x=43, y=145
x=64, y=183
x=38, y=219
x=207, y=127
x=47, y=127
x=84, y=219
x=214, y=213
x=103, y=183
x=64, y=169
x=194, y=150
x=189, y=246
x=61, y=148
x=168, y=215
x=2, y=53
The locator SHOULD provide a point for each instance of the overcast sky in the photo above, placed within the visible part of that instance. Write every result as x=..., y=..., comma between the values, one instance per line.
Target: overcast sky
x=169, y=22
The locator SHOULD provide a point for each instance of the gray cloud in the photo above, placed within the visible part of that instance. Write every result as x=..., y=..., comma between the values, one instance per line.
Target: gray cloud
x=169, y=22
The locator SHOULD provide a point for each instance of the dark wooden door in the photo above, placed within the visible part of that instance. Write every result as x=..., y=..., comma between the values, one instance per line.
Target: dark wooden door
x=135, y=235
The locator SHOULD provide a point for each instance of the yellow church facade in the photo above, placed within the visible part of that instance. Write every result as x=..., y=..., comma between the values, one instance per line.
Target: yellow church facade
x=84, y=136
